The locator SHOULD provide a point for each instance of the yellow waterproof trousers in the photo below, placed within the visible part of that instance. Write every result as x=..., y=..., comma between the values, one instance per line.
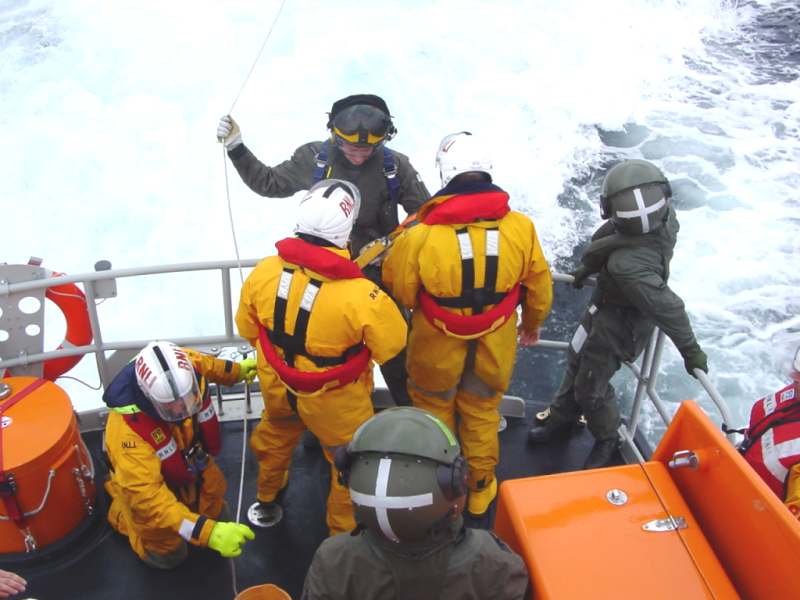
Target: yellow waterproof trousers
x=478, y=418
x=162, y=548
x=276, y=435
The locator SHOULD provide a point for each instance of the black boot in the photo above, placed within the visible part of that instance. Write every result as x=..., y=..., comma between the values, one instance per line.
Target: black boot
x=550, y=431
x=602, y=453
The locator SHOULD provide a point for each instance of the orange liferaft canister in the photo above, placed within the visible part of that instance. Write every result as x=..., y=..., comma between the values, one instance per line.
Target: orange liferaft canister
x=46, y=472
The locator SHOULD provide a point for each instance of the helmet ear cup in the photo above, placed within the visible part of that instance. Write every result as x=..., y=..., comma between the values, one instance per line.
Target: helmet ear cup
x=343, y=460
x=605, y=207
x=452, y=479
x=391, y=130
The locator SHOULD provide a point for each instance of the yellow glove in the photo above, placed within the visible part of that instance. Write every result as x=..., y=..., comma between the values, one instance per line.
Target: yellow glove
x=228, y=538
x=247, y=370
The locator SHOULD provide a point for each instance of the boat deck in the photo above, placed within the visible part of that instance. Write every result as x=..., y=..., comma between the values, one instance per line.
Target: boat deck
x=102, y=565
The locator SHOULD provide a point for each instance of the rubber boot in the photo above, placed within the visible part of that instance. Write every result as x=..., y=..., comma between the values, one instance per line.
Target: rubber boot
x=602, y=454
x=479, y=501
x=550, y=431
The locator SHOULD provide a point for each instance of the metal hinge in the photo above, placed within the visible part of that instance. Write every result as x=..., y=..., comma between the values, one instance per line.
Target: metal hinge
x=669, y=524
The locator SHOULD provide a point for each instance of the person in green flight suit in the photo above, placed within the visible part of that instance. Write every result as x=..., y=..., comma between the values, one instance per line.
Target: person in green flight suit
x=408, y=482
x=630, y=253
x=356, y=151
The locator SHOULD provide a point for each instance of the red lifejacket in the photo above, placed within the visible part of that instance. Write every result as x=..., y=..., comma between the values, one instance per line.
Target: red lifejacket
x=175, y=468
x=463, y=209
x=345, y=368
x=772, y=441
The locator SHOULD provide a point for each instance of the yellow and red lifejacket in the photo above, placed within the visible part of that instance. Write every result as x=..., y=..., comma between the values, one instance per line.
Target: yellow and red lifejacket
x=175, y=468
x=462, y=209
x=772, y=441
x=342, y=369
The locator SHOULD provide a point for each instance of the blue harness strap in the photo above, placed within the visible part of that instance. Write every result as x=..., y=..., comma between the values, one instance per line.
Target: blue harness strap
x=390, y=173
x=321, y=160
x=322, y=169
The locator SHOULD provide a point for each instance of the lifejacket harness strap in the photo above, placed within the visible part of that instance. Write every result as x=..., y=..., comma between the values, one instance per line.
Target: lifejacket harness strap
x=344, y=368
x=323, y=169
x=481, y=321
x=754, y=433
x=295, y=343
x=471, y=297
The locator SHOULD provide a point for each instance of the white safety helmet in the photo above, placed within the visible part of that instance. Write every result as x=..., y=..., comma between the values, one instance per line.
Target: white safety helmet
x=166, y=376
x=329, y=210
x=462, y=152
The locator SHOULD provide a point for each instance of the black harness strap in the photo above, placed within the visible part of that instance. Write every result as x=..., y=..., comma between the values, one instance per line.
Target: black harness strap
x=295, y=344
x=471, y=297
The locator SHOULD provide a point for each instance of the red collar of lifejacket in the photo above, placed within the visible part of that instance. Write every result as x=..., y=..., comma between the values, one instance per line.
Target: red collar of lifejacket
x=451, y=209
x=324, y=261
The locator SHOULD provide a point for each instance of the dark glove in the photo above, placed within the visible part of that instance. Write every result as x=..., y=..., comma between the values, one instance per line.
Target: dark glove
x=580, y=274
x=695, y=359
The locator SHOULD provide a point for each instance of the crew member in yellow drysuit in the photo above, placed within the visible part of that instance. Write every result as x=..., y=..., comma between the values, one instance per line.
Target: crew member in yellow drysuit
x=463, y=270
x=162, y=429
x=318, y=324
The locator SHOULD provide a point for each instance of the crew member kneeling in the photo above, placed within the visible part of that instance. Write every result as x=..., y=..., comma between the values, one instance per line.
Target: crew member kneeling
x=165, y=487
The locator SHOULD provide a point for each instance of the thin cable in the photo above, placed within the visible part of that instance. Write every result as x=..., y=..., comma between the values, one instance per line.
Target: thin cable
x=258, y=56
x=230, y=215
x=241, y=279
x=100, y=385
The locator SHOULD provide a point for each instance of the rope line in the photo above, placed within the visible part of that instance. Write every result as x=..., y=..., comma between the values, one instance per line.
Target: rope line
x=241, y=279
x=258, y=56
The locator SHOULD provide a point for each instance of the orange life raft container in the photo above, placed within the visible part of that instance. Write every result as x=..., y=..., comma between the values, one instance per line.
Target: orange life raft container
x=46, y=473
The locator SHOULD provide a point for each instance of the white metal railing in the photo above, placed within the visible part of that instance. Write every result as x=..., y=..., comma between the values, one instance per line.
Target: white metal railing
x=646, y=372
x=99, y=347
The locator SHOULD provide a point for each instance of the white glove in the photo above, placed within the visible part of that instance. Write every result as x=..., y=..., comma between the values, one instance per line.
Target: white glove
x=228, y=132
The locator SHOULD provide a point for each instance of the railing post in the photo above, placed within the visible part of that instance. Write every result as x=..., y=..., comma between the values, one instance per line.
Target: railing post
x=227, y=306
x=99, y=355
x=643, y=380
x=718, y=401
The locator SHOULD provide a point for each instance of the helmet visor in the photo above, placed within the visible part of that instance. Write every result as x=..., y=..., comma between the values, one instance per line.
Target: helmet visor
x=362, y=125
x=182, y=406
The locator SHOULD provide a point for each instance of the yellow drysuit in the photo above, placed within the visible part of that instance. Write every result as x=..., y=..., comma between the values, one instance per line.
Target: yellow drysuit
x=449, y=375
x=156, y=518
x=345, y=313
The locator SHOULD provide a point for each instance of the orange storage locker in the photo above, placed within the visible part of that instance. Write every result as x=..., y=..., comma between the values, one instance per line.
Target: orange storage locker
x=605, y=533
x=46, y=473
x=754, y=535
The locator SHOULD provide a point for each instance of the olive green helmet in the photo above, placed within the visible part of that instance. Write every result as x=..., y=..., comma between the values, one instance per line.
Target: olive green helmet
x=635, y=197
x=406, y=475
